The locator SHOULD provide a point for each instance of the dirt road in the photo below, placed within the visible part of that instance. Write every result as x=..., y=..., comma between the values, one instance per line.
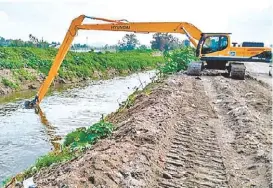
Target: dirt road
x=184, y=132
x=259, y=71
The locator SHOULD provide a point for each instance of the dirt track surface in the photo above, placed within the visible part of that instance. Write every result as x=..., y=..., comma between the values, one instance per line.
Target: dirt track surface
x=188, y=132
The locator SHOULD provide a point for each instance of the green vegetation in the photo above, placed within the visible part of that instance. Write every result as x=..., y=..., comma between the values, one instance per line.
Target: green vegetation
x=52, y=158
x=6, y=181
x=166, y=42
x=75, y=65
x=22, y=74
x=85, y=137
x=129, y=42
x=9, y=83
x=27, y=63
x=41, y=59
x=178, y=60
x=74, y=144
x=46, y=161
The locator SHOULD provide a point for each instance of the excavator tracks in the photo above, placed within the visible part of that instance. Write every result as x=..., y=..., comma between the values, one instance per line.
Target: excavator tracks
x=194, y=156
x=237, y=71
x=194, y=159
x=194, y=68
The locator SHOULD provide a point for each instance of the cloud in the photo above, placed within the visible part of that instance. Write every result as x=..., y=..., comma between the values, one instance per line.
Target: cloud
x=3, y=17
x=253, y=25
x=50, y=19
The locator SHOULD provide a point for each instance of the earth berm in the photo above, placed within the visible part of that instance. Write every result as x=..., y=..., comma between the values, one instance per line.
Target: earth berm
x=186, y=131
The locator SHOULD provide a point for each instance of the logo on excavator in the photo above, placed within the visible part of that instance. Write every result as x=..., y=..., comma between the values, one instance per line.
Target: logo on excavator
x=120, y=27
x=232, y=53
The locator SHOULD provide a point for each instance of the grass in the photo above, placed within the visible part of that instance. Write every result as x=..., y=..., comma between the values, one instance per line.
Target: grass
x=52, y=158
x=6, y=181
x=9, y=83
x=26, y=63
x=75, y=64
x=22, y=74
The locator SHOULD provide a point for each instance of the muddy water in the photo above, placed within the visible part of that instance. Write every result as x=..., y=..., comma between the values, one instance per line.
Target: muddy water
x=24, y=135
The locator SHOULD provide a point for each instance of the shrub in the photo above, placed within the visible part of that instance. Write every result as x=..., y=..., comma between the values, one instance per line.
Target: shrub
x=90, y=135
x=178, y=60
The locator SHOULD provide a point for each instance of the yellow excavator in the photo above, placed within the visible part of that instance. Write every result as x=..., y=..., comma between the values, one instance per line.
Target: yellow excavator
x=213, y=49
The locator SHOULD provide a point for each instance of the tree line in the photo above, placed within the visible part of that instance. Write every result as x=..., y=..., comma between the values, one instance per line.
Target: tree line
x=160, y=41
x=32, y=42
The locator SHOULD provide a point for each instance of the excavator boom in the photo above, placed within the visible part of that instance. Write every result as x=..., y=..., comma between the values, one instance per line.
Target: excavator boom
x=213, y=48
x=192, y=32
x=147, y=27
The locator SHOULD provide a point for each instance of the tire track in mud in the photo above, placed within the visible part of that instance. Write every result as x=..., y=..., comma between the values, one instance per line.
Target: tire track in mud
x=194, y=158
x=244, y=110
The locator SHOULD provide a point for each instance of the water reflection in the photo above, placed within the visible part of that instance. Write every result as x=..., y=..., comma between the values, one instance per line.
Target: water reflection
x=50, y=129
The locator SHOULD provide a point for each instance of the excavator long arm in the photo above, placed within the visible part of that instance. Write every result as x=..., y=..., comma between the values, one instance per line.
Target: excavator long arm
x=190, y=30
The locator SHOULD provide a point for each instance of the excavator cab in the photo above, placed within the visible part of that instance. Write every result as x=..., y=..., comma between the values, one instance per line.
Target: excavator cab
x=211, y=49
x=216, y=52
x=217, y=47
x=211, y=43
x=214, y=44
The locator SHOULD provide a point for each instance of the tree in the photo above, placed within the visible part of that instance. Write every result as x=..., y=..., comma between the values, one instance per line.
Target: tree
x=129, y=42
x=165, y=42
x=33, y=39
x=186, y=43
x=2, y=41
x=17, y=43
x=143, y=47
x=32, y=42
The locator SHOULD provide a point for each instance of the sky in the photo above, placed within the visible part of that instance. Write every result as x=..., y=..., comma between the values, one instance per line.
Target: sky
x=247, y=20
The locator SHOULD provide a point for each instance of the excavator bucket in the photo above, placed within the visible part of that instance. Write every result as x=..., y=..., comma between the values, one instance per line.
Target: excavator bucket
x=31, y=104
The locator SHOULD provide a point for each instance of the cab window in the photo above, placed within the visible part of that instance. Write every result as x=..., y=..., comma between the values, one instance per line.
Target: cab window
x=223, y=43
x=214, y=44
